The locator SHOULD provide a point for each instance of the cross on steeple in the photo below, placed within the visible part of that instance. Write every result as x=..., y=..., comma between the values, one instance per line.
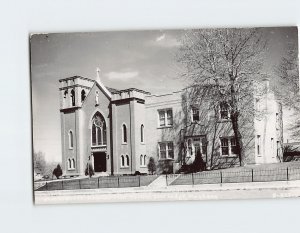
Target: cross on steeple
x=98, y=75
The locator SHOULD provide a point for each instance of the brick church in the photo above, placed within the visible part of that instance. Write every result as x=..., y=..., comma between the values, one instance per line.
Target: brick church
x=117, y=131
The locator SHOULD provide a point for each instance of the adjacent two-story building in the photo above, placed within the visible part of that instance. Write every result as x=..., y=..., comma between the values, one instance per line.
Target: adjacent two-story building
x=117, y=131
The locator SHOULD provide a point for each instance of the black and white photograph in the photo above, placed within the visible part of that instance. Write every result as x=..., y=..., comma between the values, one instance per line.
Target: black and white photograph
x=165, y=115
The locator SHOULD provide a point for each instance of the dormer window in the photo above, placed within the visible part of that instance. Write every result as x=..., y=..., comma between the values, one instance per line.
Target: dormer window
x=195, y=114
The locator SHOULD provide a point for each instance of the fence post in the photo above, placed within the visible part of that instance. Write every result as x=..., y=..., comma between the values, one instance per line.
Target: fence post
x=98, y=182
x=79, y=184
x=287, y=173
x=221, y=177
x=193, y=178
x=118, y=182
x=167, y=179
x=46, y=185
x=252, y=174
x=62, y=184
x=139, y=181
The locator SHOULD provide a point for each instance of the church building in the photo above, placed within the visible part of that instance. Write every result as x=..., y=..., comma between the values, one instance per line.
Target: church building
x=117, y=131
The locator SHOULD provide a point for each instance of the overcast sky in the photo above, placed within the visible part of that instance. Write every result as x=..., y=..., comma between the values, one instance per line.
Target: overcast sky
x=141, y=59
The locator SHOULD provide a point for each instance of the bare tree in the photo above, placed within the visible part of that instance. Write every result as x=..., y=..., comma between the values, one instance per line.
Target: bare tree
x=287, y=85
x=230, y=60
x=39, y=162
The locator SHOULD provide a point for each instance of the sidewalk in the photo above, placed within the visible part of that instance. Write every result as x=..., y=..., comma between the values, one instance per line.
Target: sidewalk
x=278, y=189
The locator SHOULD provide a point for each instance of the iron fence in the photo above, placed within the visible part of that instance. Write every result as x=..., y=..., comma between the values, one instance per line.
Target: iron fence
x=242, y=176
x=98, y=182
x=205, y=177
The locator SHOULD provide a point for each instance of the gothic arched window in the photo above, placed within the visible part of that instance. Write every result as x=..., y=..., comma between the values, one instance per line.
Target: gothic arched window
x=73, y=163
x=144, y=160
x=141, y=160
x=98, y=130
x=71, y=141
x=127, y=160
x=73, y=98
x=122, y=161
x=83, y=95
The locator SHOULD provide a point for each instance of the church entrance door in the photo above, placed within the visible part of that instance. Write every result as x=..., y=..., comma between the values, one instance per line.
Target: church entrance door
x=99, y=161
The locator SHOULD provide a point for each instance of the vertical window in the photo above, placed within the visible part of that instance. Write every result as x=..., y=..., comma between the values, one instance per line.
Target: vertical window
x=69, y=164
x=204, y=145
x=144, y=160
x=224, y=114
x=165, y=117
x=277, y=148
x=83, y=95
x=124, y=133
x=65, y=94
x=70, y=139
x=94, y=135
x=170, y=151
x=122, y=161
x=142, y=133
x=272, y=147
x=190, y=147
x=141, y=160
x=161, y=118
x=233, y=146
x=224, y=146
x=127, y=160
x=99, y=136
x=195, y=114
x=169, y=117
x=73, y=163
x=72, y=98
x=162, y=151
x=258, y=145
x=166, y=150
x=277, y=120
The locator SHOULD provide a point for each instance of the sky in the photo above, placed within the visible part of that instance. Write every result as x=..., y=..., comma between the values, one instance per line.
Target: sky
x=140, y=59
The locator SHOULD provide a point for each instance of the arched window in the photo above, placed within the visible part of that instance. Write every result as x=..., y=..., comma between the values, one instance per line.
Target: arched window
x=145, y=160
x=83, y=95
x=141, y=160
x=127, y=161
x=73, y=97
x=122, y=161
x=65, y=93
x=124, y=133
x=71, y=140
x=142, y=133
x=98, y=130
x=69, y=164
x=73, y=163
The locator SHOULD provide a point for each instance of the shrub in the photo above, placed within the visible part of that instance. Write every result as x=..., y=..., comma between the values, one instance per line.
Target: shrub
x=89, y=171
x=137, y=173
x=57, y=171
x=151, y=165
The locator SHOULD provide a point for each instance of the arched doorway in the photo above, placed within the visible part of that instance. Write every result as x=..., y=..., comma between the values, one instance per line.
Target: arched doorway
x=98, y=143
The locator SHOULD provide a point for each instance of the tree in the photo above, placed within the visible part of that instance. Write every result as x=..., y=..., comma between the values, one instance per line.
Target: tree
x=151, y=165
x=39, y=162
x=287, y=86
x=230, y=60
x=57, y=171
x=89, y=170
